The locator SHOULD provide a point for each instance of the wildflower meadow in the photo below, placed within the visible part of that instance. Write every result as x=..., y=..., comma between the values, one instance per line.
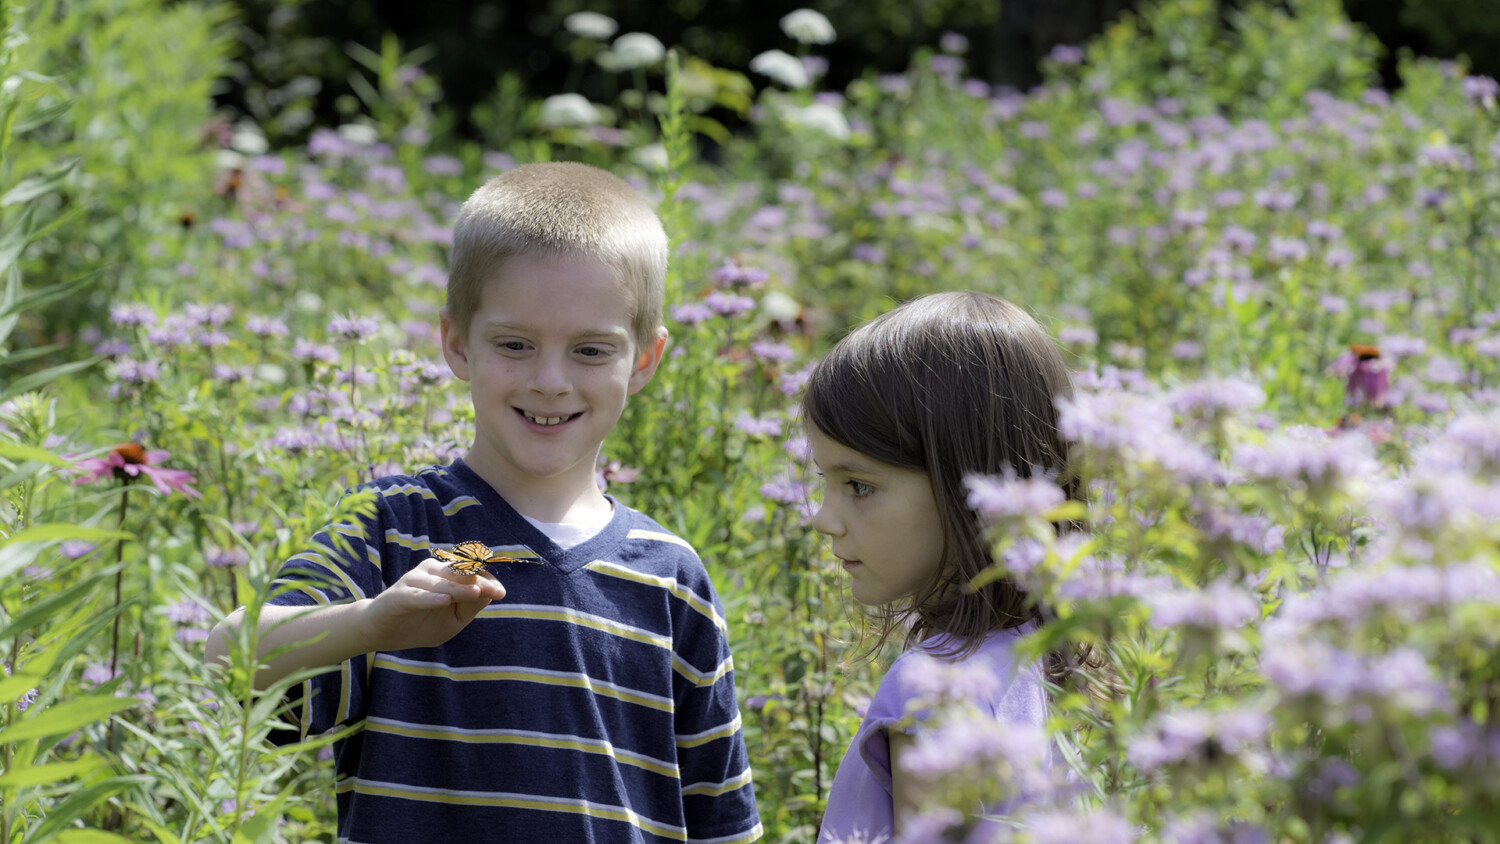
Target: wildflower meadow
x=1275, y=283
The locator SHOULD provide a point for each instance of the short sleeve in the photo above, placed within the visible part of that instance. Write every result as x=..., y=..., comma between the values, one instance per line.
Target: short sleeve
x=718, y=796
x=342, y=563
x=895, y=700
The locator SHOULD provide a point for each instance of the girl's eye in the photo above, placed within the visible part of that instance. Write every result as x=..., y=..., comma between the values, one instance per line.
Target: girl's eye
x=859, y=488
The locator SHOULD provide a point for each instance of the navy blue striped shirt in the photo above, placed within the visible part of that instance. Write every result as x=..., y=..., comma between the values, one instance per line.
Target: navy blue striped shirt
x=595, y=703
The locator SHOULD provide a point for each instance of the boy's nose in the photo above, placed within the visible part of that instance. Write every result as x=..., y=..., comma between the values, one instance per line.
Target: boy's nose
x=550, y=377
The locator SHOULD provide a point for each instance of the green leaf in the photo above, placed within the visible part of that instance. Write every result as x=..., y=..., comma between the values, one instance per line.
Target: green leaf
x=47, y=295
x=13, y=358
x=11, y=246
x=46, y=376
x=48, y=609
x=65, y=717
x=17, y=684
x=42, y=117
x=90, y=836
x=77, y=805
x=163, y=835
x=43, y=774
x=65, y=530
x=14, y=451
x=8, y=321
x=260, y=827
x=32, y=187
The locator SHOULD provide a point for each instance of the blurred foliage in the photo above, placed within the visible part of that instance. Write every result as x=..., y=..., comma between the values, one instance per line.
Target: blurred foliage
x=1205, y=189
x=133, y=129
x=295, y=65
x=1261, y=59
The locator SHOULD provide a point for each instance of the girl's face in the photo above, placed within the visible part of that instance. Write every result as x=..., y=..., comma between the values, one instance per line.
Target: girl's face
x=883, y=522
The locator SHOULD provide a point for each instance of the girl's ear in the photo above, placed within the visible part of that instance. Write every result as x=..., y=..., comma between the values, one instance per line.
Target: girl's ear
x=648, y=361
x=455, y=348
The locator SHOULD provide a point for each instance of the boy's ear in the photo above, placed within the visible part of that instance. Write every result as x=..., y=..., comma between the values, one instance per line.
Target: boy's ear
x=455, y=349
x=649, y=359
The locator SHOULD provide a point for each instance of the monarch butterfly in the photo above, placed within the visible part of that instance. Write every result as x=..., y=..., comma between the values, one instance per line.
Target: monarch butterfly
x=471, y=557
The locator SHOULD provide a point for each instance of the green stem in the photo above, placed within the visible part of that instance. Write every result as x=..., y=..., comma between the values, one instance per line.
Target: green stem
x=114, y=650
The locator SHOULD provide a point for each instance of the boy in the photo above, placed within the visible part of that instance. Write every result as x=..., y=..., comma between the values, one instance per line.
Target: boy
x=595, y=702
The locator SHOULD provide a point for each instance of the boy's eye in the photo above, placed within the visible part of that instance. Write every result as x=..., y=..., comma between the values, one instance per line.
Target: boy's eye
x=512, y=345
x=591, y=352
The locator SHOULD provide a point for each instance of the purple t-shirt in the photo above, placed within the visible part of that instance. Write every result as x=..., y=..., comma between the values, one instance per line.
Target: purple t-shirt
x=860, y=808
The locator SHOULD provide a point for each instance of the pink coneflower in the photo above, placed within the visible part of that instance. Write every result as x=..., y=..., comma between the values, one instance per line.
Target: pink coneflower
x=1368, y=377
x=129, y=461
x=613, y=470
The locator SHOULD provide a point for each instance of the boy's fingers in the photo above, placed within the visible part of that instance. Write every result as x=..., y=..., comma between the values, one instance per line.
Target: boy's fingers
x=462, y=587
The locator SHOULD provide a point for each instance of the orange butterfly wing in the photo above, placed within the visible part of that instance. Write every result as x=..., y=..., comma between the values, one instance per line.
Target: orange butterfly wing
x=462, y=559
x=471, y=556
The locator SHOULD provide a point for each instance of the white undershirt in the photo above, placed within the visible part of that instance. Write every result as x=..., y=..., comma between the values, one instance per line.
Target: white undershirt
x=565, y=535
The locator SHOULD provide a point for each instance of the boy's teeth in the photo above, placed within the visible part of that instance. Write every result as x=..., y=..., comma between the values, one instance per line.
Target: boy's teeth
x=547, y=420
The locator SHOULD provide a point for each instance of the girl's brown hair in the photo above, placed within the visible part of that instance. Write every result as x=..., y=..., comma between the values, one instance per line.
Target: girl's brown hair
x=952, y=384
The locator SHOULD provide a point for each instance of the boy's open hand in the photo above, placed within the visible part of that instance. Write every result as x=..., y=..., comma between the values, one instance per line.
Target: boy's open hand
x=427, y=606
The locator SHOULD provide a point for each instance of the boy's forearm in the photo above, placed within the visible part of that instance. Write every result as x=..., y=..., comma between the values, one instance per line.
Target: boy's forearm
x=318, y=637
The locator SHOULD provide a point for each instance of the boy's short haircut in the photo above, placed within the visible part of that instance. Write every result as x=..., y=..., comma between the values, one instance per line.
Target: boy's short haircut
x=560, y=210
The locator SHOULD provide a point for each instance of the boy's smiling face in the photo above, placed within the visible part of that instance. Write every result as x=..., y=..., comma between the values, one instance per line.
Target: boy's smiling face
x=550, y=359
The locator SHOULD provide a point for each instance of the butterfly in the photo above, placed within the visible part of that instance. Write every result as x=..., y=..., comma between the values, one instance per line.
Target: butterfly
x=471, y=557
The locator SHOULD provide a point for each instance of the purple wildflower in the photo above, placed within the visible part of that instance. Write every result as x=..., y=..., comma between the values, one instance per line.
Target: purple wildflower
x=1080, y=335
x=75, y=549
x=953, y=42
x=1101, y=826
x=1066, y=54
x=353, y=328
x=175, y=331
x=1213, y=398
x=266, y=326
x=1288, y=249
x=772, y=352
x=1194, y=736
x=442, y=165
x=132, y=315
x=1220, y=605
x=1481, y=89
x=692, y=313
x=786, y=489
x=1307, y=455
x=1006, y=498
x=728, y=304
x=213, y=315
x=736, y=275
x=308, y=351
x=768, y=426
x=130, y=371
x=98, y=673
x=226, y=557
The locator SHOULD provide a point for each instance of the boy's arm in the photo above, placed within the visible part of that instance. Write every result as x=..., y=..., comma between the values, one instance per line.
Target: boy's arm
x=425, y=608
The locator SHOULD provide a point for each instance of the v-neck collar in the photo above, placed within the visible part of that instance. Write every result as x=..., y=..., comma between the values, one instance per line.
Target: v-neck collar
x=566, y=560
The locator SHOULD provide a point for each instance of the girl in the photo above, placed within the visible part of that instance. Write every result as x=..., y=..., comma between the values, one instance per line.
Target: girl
x=898, y=414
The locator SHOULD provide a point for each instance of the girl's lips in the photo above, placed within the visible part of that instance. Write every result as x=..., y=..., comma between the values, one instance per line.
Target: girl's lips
x=851, y=564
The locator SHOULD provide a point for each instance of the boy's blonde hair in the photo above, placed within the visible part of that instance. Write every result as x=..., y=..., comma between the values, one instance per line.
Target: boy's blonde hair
x=560, y=210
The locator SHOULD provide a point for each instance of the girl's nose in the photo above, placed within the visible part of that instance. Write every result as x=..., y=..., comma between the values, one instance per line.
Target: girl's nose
x=824, y=522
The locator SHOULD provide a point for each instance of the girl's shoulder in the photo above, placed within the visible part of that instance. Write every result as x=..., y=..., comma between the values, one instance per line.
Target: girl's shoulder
x=991, y=672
